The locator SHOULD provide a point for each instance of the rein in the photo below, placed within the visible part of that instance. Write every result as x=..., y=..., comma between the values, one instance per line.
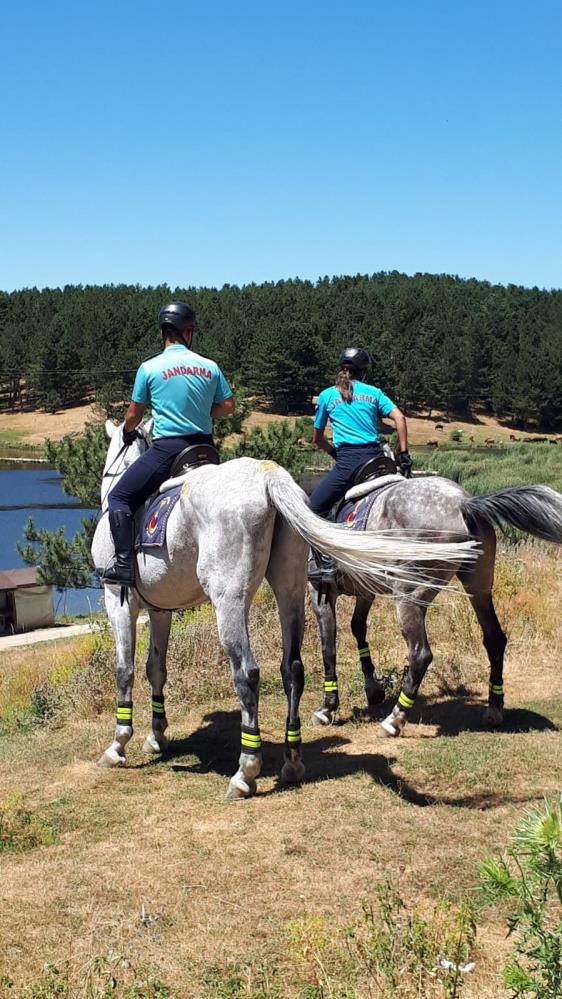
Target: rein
x=113, y=475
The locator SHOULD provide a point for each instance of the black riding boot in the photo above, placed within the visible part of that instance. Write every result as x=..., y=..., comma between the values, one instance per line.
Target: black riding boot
x=321, y=568
x=122, y=570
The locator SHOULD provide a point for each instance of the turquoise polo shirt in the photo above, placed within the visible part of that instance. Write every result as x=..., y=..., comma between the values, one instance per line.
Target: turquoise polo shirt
x=180, y=386
x=354, y=422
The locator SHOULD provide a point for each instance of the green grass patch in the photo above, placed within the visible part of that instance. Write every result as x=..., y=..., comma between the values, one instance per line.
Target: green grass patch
x=22, y=829
x=480, y=471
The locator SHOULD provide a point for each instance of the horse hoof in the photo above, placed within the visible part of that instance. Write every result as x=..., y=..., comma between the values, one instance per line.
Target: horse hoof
x=293, y=773
x=387, y=730
x=111, y=759
x=322, y=717
x=493, y=717
x=153, y=746
x=238, y=789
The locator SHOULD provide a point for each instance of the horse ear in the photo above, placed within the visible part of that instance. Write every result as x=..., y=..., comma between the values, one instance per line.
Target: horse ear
x=110, y=428
x=147, y=427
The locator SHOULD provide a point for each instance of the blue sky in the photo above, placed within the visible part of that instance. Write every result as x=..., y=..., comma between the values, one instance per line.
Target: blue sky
x=195, y=144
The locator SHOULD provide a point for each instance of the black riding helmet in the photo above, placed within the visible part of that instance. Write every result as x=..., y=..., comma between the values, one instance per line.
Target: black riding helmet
x=179, y=315
x=355, y=357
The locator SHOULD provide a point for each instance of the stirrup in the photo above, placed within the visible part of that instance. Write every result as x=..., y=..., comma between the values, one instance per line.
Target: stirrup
x=119, y=575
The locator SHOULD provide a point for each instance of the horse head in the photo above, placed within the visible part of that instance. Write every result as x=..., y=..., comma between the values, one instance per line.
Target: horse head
x=120, y=455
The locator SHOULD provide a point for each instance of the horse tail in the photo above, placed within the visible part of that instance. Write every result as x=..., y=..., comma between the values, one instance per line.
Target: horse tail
x=534, y=509
x=372, y=559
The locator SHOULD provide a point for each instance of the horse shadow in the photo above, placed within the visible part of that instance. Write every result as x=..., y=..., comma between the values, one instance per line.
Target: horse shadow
x=214, y=747
x=461, y=713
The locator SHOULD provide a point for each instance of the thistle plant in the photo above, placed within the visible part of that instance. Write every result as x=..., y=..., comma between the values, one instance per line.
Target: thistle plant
x=529, y=878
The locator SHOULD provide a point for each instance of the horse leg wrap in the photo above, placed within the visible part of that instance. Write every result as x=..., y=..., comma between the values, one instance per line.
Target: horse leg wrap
x=250, y=739
x=405, y=702
x=331, y=696
x=158, y=713
x=293, y=738
x=496, y=690
x=125, y=714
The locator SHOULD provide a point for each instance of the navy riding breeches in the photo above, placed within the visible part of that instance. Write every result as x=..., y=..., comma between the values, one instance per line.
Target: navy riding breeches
x=147, y=473
x=349, y=459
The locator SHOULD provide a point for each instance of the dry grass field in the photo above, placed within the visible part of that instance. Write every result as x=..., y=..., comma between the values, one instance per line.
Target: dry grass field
x=32, y=428
x=147, y=883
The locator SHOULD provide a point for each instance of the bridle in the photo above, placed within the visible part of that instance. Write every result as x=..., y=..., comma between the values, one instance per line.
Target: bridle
x=109, y=474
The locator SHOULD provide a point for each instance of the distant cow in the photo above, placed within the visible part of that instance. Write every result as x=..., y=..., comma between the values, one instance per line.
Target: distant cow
x=490, y=440
x=439, y=426
x=512, y=437
x=433, y=443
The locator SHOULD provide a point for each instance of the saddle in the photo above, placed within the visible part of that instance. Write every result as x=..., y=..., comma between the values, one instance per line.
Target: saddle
x=152, y=532
x=193, y=457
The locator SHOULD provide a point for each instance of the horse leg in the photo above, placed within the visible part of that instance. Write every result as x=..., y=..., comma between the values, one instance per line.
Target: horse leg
x=411, y=618
x=478, y=584
x=374, y=689
x=123, y=620
x=325, y=611
x=232, y=621
x=160, y=622
x=286, y=574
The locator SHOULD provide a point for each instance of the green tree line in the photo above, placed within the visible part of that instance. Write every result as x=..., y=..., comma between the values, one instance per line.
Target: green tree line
x=437, y=342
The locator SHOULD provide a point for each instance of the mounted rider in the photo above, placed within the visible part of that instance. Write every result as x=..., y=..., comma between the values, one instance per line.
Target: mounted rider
x=353, y=409
x=186, y=392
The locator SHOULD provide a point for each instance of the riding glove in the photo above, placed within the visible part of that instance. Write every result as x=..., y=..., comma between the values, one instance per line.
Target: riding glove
x=129, y=436
x=404, y=462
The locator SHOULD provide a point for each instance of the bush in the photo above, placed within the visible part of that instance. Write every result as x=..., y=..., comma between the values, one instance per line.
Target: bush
x=529, y=878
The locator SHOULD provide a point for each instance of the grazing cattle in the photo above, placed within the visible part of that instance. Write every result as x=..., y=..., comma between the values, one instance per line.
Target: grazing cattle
x=489, y=440
x=439, y=426
x=433, y=443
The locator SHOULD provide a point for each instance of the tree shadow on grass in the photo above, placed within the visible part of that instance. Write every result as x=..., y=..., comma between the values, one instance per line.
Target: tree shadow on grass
x=215, y=746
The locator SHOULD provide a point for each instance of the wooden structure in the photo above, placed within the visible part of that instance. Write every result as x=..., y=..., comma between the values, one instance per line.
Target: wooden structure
x=25, y=602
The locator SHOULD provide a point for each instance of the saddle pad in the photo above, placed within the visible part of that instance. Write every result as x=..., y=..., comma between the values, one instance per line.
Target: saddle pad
x=153, y=528
x=355, y=513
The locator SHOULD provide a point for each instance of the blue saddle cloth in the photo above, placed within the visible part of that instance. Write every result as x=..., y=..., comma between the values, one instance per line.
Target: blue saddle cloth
x=153, y=528
x=355, y=513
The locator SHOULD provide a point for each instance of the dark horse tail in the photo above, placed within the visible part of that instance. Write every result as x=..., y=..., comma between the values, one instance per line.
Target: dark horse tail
x=534, y=509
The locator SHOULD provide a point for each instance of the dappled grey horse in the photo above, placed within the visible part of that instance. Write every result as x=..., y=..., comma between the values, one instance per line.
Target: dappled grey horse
x=233, y=525
x=426, y=507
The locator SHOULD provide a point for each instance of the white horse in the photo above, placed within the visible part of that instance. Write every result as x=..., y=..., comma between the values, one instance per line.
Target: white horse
x=233, y=525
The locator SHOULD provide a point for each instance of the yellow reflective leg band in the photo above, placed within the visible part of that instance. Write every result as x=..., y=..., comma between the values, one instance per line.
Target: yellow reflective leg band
x=293, y=735
x=125, y=714
x=251, y=741
x=405, y=701
x=330, y=686
x=497, y=688
x=364, y=653
x=158, y=707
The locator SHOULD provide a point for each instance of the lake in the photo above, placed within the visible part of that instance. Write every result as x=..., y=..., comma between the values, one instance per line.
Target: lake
x=35, y=490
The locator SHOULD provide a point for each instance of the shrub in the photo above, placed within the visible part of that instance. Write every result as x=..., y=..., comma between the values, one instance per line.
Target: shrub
x=529, y=878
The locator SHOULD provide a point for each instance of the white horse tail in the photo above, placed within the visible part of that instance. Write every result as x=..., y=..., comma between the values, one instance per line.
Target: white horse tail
x=534, y=509
x=370, y=558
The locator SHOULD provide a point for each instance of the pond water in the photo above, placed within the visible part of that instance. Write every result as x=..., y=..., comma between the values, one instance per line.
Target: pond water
x=35, y=490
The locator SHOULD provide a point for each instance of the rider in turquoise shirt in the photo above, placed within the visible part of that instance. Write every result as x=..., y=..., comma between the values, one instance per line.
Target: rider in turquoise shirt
x=186, y=392
x=181, y=387
x=353, y=409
